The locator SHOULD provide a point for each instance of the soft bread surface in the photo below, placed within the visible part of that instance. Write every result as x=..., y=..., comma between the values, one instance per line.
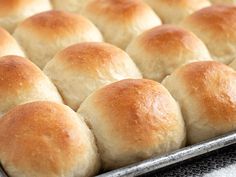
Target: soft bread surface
x=21, y=81
x=174, y=11
x=48, y=32
x=8, y=45
x=46, y=139
x=160, y=50
x=119, y=20
x=206, y=94
x=12, y=12
x=133, y=120
x=82, y=68
x=69, y=5
x=216, y=26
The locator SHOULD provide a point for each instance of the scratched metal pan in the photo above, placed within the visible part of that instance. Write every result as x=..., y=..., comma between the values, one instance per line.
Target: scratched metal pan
x=168, y=159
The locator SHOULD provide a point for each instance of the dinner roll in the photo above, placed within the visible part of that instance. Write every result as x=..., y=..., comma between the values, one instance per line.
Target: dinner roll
x=21, y=81
x=206, y=92
x=119, y=20
x=44, y=34
x=12, y=12
x=69, y=5
x=174, y=11
x=46, y=140
x=216, y=26
x=133, y=120
x=223, y=1
x=82, y=68
x=8, y=45
x=160, y=50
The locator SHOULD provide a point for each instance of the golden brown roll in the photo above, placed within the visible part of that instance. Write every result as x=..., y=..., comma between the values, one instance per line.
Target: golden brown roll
x=21, y=81
x=51, y=31
x=133, y=120
x=46, y=140
x=223, y=1
x=82, y=68
x=206, y=92
x=69, y=5
x=174, y=11
x=12, y=12
x=119, y=20
x=8, y=45
x=216, y=27
x=160, y=50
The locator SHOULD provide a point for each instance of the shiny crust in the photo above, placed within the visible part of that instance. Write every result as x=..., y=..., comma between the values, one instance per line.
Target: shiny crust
x=133, y=120
x=216, y=27
x=53, y=24
x=47, y=139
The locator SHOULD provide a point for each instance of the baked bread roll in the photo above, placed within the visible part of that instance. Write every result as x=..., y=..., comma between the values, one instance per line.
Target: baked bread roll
x=133, y=120
x=8, y=45
x=82, y=68
x=46, y=139
x=160, y=50
x=223, y=1
x=216, y=27
x=206, y=94
x=49, y=32
x=21, y=81
x=119, y=20
x=69, y=5
x=174, y=11
x=12, y=12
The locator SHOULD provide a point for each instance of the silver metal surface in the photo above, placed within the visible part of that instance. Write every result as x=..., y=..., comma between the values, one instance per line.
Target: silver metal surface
x=168, y=159
x=173, y=157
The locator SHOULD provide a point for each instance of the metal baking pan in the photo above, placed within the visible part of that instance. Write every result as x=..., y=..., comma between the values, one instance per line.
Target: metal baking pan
x=171, y=158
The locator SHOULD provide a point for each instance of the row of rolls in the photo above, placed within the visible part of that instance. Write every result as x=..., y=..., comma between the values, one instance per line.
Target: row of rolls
x=100, y=84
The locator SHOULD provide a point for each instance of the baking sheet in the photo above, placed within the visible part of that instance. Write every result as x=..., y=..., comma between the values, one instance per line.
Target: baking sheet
x=168, y=159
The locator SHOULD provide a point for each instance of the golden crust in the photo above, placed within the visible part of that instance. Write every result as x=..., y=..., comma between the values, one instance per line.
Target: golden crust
x=48, y=137
x=9, y=6
x=213, y=84
x=53, y=24
x=173, y=37
x=143, y=106
x=118, y=10
x=219, y=20
x=90, y=56
x=17, y=73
